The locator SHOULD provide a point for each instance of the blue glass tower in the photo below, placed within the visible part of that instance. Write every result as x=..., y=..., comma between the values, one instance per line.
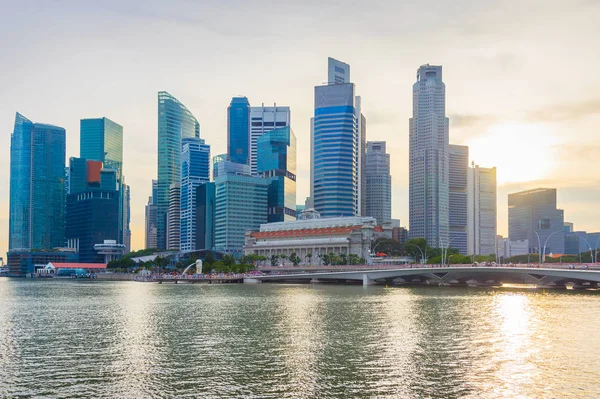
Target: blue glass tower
x=195, y=170
x=276, y=162
x=205, y=216
x=335, y=151
x=37, y=185
x=175, y=122
x=238, y=130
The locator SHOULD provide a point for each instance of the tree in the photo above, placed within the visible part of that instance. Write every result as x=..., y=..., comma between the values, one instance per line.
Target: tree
x=209, y=258
x=342, y=259
x=274, y=260
x=207, y=267
x=228, y=260
x=388, y=246
x=294, y=259
x=419, y=248
x=354, y=259
x=309, y=257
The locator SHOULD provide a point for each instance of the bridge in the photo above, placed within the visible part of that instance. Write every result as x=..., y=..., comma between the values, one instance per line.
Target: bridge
x=544, y=277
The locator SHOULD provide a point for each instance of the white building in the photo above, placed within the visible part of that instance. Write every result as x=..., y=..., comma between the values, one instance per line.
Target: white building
x=481, y=215
x=174, y=217
x=262, y=120
x=312, y=236
x=509, y=248
x=428, y=158
x=378, y=183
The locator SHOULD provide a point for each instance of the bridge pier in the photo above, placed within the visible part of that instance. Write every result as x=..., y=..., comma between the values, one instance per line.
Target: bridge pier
x=366, y=280
x=252, y=280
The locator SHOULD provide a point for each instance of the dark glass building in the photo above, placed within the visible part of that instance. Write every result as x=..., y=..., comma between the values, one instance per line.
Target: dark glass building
x=205, y=216
x=37, y=186
x=21, y=262
x=238, y=130
x=93, y=205
x=276, y=162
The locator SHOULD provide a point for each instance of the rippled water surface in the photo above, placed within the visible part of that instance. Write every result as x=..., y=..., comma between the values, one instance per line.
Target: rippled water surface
x=99, y=339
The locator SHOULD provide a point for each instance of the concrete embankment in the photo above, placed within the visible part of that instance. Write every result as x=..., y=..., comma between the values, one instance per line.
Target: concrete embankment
x=115, y=276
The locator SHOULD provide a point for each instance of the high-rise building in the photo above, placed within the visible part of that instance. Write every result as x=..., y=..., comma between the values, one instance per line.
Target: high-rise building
x=240, y=205
x=205, y=216
x=569, y=228
x=337, y=71
x=458, y=164
x=533, y=216
x=174, y=217
x=238, y=130
x=337, y=140
x=428, y=159
x=262, y=120
x=277, y=164
x=92, y=212
x=175, y=122
x=37, y=185
x=400, y=234
x=378, y=183
x=195, y=170
x=152, y=218
x=481, y=211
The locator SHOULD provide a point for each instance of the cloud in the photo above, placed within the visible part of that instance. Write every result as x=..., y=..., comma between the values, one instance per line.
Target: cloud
x=466, y=121
x=566, y=111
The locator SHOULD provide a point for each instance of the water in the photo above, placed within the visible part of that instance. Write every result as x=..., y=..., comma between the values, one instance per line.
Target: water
x=97, y=339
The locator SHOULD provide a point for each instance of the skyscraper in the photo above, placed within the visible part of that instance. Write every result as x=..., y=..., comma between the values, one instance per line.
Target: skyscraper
x=336, y=147
x=337, y=71
x=195, y=170
x=481, y=208
x=458, y=164
x=175, y=122
x=240, y=205
x=174, y=217
x=92, y=214
x=262, y=120
x=428, y=159
x=277, y=164
x=205, y=216
x=238, y=130
x=533, y=216
x=378, y=183
x=37, y=185
x=151, y=218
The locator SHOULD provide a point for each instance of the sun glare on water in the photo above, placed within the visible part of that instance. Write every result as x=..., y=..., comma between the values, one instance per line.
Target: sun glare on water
x=520, y=152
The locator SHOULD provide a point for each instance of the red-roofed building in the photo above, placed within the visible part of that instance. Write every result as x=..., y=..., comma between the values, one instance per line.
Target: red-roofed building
x=309, y=238
x=95, y=266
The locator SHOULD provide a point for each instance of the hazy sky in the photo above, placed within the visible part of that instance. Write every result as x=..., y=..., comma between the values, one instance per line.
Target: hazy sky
x=522, y=80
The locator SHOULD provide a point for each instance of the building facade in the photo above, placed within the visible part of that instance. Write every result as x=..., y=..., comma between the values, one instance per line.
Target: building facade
x=175, y=122
x=428, y=159
x=277, y=164
x=314, y=237
x=378, y=183
x=37, y=186
x=205, y=216
x=338, y=132
x=262, y=120
x=238, y=130
x=458, y=165
x=533, y=216
x=240, y=205
x=195, y=171
x=482, y=211
x=174, y=218
x=151, y=220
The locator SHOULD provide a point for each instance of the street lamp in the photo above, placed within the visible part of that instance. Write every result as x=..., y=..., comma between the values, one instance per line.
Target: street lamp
x=590, y=247
x=445, y=251
x=449, y=257
x=423, y=258
x=545, y=242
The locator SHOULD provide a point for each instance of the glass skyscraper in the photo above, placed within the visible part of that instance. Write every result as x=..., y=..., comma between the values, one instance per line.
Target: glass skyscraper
x=262, y=120
x=37, y=185
x=195, y=170
x=205, y=216
x=378, y=183
x=337, y=131
x=238, y=130
x=458, y=164
x=428, y=159
x=277, y=163
x=175, y=122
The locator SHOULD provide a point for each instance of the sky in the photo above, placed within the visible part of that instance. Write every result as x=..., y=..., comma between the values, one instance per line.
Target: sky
x=522, y=80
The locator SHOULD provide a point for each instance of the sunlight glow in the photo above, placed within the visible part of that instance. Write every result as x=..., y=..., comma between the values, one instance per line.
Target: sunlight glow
x=521, y=152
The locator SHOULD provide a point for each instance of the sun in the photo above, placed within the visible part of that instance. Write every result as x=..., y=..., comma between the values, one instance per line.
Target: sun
x=520, y=152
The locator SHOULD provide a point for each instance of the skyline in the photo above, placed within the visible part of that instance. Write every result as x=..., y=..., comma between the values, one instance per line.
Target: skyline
x=488, y=111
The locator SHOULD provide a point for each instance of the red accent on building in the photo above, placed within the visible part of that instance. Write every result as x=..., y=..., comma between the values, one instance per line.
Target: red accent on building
x=324, y=231
x=93, y=171
x=79, y=265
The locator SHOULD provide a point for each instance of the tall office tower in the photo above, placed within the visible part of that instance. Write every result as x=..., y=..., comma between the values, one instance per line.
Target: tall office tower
x=481, y=211
x=101, y=139
x=92, y=214
x=151, y=213
x=277, y=164
x=336, y=148
x=533, y=216
x=195, y=170
x=205, y=216
x=238, y=130
x=174, y=217
x=378, y=183
x=262, y=120
x=240, y=205
x=175, y=122
x=37, y=185
x=458, y=164
x=428, y=159
x=127, y=237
